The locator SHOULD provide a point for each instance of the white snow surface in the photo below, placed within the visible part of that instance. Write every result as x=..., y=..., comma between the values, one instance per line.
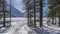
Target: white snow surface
x=19, y=26
x=16, y=24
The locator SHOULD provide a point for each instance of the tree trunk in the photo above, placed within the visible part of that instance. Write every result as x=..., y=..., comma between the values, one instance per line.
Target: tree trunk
x=34, y=15
x=41, y=13
x=3, y=14
x=28, y=17
x=31, y=23
x=53, y=14
x=59, y=21
x=52, y=19
x=10, y=13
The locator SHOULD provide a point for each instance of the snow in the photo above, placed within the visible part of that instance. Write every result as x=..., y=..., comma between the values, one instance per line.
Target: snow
x=19, y=26
x=15, y=24
x=23, y=30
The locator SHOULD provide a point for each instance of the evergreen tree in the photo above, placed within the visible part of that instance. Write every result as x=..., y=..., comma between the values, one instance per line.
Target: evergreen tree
x=54, y=9
x=3, y=10
x=32, y=6
x=28, y=8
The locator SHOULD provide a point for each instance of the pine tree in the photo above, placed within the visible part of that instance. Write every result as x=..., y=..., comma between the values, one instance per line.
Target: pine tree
x=29, y=10
x=54, y=9
x=3, y=10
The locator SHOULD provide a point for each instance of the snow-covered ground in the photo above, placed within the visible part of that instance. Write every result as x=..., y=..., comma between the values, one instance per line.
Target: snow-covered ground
x=19, y=26
x=16, y=24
